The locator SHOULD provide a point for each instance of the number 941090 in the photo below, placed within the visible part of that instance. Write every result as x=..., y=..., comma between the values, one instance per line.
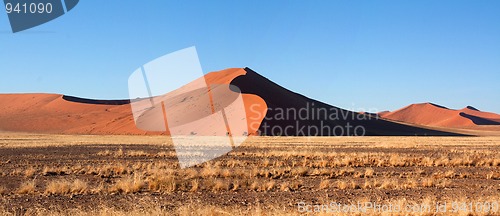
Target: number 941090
x=32, y=8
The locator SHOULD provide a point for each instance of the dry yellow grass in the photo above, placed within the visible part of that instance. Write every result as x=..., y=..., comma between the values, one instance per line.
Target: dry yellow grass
x=389, y=184
x=285, y=186
x=255, y=185
x=3, y=190
x=195, y=185
x=209, y=171
x=428, y=182
x=236, y=185
x=137, y=153
x=163, y=181
x=299, y=171
x=130, y=184
x=342, y=184
x=495, y=175
x=220, y=185
x=269, y=185
x=409, y=184
x=30, y=172
x=47, y=171
x=64, y=187
x=190, y=173
x=324, y=184
x=27, y=187
x=266, y=162
x=371, y=184
x=226, y=173
x=369, y=172
x=58, y=187
x=268, y=166
x=110, y=170
x=450, y=174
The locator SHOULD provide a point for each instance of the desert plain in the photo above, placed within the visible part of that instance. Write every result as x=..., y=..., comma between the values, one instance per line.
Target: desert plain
x=140, y=175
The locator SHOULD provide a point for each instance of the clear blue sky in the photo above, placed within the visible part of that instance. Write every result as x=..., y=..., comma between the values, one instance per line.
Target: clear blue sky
x=352, y=54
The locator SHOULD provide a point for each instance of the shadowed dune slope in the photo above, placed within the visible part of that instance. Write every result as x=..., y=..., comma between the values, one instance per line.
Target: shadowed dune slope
x=293, y=114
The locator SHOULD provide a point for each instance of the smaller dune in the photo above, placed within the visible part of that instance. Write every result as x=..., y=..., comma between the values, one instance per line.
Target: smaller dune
x=469, y=110
x=430, y=114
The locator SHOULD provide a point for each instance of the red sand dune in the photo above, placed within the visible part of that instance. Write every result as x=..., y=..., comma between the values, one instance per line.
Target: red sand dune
x=486, y=115
x=383, y=112
x=54, y=113
x=263, y=100
x=434, y=115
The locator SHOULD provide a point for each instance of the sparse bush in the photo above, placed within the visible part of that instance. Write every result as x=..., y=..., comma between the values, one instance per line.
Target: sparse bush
x=64, y=187
x=450, y=174
x=269, y=186
x=342, y=185
x=388, y=184
x=163, y=182
x=285, y=186
x=130, y=184
x=195, y=185
x=220, y=185
x=369, y=172
x=209, y=171
x=58, y=187
x=299, y=171
x=409, y=184
x=428, y=182
x=30, y=172
x=493, y=175
x=27, y=187
x=3, y=190
x=137, y=153
x=266, y=162
x=324, y=184
x=235, y=185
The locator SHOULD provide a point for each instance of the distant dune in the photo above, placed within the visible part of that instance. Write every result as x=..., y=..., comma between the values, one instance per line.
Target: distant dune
x=268, y=108
x=435, y=115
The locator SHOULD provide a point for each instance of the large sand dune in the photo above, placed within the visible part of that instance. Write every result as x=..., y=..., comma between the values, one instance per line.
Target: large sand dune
x=269, y=109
